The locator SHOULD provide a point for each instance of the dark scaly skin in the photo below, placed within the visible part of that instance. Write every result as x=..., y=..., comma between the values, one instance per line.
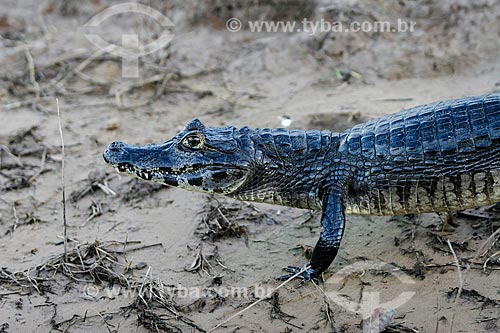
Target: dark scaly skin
x=437, y=157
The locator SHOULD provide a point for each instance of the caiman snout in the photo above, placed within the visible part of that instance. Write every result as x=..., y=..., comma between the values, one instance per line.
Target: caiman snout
x=113, y=152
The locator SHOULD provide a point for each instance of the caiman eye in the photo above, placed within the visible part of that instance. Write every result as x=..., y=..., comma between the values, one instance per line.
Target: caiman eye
x=193, y=141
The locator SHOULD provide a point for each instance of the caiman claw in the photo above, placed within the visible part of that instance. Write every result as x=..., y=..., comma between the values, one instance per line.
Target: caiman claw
x=305, y=274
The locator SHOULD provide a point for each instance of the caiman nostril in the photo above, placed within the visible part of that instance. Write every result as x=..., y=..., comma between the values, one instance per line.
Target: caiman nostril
x=113, y=150
x=116, y=145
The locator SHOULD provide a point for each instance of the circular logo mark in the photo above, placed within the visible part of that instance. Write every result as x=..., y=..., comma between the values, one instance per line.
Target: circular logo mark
x=370, y=300
x=233, y=24
x=130, y=50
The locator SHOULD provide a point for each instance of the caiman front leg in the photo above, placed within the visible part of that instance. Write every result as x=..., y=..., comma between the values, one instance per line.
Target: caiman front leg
x=332, y=221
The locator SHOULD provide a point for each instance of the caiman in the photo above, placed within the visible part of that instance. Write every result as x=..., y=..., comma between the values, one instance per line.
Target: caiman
x=437, y=157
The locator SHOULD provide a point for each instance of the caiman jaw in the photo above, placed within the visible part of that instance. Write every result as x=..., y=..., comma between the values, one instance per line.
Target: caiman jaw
x=152, y=174
x=192, y=178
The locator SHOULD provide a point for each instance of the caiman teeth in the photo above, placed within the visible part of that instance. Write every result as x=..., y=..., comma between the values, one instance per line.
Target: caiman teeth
x=144, y=174
x=153, y=173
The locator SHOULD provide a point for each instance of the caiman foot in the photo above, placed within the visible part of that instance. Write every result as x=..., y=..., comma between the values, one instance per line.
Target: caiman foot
x=306, y=275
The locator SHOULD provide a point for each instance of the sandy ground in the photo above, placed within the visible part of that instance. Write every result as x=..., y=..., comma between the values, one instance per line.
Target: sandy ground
x=144, y=257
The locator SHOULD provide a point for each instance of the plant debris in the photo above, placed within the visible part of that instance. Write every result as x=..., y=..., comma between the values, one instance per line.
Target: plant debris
x=474, y=296
x=136, y=190
x=220, y=220
x=155, y=308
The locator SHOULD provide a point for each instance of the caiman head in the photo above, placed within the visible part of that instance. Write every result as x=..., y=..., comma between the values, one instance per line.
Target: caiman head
x=199, y=158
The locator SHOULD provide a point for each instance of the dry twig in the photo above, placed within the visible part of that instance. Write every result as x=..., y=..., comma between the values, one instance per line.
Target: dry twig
x=63, y=189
